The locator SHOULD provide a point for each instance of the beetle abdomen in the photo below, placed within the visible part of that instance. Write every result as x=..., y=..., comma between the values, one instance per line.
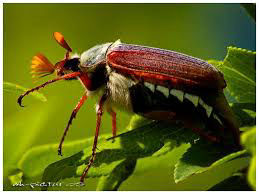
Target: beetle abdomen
x=163, y=67
x=160, y=103
x=148, y=98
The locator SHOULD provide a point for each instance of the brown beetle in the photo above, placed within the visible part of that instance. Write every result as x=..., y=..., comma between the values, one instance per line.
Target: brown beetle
x=155, y=83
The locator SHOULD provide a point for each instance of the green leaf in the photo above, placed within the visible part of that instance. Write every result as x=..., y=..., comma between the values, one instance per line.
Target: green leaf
x=215, y=63
x=16, y=178
x=203, y=156
x=137, y=121
x=35, y=160
x=252, y=173
x=14, y=88
x=245, y=114
x=119, y=174
x=154, y=139
x=23, y=130
x=238, y=68
x=237, y=182
x=248, y=140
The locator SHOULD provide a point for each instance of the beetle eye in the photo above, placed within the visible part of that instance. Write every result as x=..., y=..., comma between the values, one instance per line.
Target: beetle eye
x=72, y=64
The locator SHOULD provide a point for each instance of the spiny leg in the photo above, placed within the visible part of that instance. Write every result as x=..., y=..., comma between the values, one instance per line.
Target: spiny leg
x=113, y=115
x=205, y=135
x=197, y=127
x=98, y=123
x=67, y=76
x=73, y=115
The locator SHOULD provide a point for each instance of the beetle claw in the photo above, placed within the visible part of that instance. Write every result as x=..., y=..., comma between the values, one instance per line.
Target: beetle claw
x=19, y=101
x=82, y=184
x=60, y=152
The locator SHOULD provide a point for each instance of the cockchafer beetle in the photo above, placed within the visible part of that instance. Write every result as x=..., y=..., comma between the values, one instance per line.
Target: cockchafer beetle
x=155, y=83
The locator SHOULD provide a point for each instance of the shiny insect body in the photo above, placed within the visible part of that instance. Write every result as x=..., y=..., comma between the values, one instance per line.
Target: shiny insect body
x=155, y=83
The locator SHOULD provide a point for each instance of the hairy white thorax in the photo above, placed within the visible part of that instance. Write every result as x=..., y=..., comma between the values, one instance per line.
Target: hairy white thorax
x=118, y=88
x=118, y=92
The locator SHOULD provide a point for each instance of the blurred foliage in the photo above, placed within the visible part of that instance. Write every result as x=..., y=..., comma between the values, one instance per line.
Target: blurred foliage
x=133, y=155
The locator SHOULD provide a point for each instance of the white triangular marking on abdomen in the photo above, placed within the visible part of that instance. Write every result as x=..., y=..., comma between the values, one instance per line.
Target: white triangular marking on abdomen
x=217, y=118
x=193, y=98
x=150, y=86
x=206, y=107
x=177, y=93
x=164, y=90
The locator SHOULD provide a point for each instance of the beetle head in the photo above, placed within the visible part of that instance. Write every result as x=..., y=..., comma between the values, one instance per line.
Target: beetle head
x=41, y=66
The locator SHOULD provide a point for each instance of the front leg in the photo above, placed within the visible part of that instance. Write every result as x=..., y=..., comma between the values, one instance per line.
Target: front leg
x=98, y=123
x=73, y=115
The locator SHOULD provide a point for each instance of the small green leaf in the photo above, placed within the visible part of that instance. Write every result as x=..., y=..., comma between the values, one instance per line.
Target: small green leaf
x=201, y=157
x=248, y=140
x=14, y=88
x=16, y=178
x=238, y=68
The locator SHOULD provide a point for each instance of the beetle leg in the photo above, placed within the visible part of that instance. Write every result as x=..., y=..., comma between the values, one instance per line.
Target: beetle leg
x=73, y=115
x=203, y=134
x=197, y=127
x=113, y=115
x=67, y=76
x=98, y=123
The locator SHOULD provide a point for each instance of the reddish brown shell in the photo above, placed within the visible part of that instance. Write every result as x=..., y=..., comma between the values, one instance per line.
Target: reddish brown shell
x=163, y=67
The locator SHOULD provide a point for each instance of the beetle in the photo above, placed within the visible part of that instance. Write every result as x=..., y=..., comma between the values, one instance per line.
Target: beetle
x=155, y=83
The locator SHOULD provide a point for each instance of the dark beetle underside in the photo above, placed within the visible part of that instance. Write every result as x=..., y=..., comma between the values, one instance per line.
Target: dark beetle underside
x=176, y=105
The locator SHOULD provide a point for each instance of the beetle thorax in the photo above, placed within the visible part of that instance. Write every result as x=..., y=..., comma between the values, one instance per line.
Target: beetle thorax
x=92, y=58
x=93, y=63
x=118, y=89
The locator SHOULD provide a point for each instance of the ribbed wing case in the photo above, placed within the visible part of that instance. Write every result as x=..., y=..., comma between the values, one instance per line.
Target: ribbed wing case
x=163, y=67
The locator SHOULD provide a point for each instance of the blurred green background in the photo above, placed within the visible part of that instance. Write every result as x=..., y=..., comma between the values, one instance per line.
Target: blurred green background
x=200, y=30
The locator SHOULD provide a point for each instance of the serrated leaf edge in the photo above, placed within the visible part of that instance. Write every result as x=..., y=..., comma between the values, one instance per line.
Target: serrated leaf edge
x=214, y=164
